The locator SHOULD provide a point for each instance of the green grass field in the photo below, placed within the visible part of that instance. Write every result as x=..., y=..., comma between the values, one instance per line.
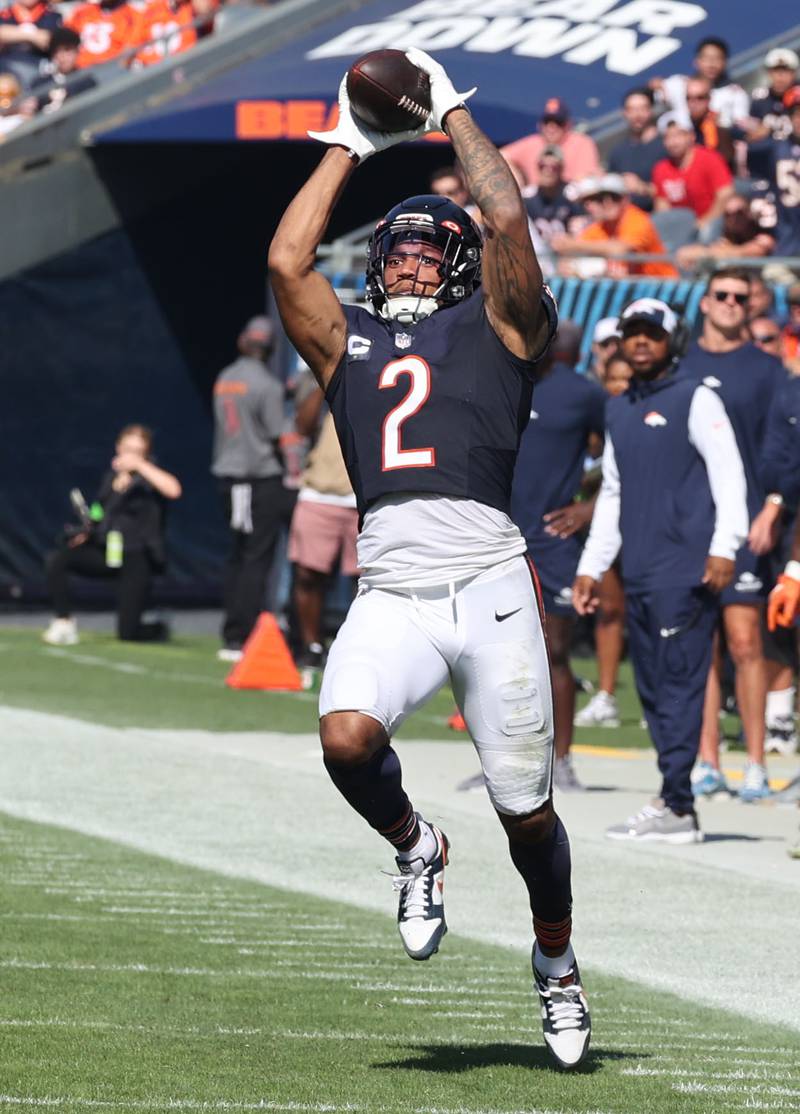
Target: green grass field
x=131, y=984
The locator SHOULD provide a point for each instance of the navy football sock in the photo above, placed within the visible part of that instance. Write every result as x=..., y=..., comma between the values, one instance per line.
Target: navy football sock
x=375, y=790
x=546, y=868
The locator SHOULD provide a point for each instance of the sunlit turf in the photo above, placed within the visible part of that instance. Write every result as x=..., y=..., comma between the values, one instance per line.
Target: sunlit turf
x=131, y=983
x=180, y=684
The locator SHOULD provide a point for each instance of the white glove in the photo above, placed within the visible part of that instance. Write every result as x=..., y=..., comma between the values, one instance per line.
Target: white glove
x=354, y=136
x=444, y=97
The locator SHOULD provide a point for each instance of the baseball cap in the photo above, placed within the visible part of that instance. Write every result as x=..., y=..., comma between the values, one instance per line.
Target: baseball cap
x=782, y=56
x=555, y=109
x=605, y=329
x=259, y=328
x=652, y=310
x=680, y=119
x=606, y=183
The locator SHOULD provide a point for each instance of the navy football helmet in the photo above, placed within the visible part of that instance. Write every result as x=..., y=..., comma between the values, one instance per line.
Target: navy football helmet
x=431, y=219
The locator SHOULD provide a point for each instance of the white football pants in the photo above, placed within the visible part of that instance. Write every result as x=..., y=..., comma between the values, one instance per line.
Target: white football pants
x=397, y=648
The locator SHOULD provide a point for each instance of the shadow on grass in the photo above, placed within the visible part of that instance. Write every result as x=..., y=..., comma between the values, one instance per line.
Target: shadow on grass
x=452, y=1058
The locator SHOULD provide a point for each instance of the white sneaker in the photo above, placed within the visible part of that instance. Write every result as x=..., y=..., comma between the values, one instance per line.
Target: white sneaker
x=601, y=711
x=781, y=736
x=564, y=776
x=566, y=1020
x=755, y=784
x=420, y=913
x=229, y=653
x=61, y=632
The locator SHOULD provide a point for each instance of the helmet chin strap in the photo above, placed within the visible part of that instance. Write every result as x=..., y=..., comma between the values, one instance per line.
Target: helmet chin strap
x=408, y=308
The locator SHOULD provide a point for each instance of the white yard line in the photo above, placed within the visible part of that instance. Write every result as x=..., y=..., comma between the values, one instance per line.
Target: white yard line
x=234, y=804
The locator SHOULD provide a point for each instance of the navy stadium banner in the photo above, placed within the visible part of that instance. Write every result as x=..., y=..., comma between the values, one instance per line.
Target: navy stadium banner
x=518, y=52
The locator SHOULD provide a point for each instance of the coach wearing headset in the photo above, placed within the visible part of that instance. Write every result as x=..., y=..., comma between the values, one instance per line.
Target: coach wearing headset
x=674, y=499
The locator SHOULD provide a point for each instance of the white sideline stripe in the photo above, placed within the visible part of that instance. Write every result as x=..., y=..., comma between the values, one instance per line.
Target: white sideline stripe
x=136, y=668
x=263, y=1104
x=692, y=1073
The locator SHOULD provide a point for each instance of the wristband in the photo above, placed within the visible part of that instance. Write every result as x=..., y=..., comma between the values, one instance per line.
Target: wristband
x=792, y=570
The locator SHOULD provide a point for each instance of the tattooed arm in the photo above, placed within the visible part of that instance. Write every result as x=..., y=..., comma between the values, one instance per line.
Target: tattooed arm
x=512, y=280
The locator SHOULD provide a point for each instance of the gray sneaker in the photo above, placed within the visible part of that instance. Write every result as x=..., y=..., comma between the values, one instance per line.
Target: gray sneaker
x=790, y=794
x=564, y=776
x=657, y=823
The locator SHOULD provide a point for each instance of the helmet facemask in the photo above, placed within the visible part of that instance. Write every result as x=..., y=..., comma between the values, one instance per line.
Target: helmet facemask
x=459, y=268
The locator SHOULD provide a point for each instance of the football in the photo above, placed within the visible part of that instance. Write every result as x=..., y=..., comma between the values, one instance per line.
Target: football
x=387, y=92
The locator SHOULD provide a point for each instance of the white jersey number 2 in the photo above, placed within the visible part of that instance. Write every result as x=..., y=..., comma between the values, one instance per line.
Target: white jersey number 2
x=392, y=454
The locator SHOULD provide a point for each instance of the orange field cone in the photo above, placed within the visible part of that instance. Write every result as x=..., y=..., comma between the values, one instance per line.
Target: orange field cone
x=266, y=662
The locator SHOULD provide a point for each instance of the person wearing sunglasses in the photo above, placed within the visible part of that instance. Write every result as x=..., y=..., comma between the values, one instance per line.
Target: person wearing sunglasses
x=708, y=132
x=766, y=335
x=746, y=379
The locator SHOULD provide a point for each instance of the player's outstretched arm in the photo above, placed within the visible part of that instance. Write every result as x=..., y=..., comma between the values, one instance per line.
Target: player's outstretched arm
x=311, y=313
x=512, y=279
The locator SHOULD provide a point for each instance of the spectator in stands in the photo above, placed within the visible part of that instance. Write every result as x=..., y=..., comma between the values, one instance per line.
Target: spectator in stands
x=767, y=104
x=581, y=158
x=325, y=521
x=778, y=160
x=691, y=177
x=12, y=108
x=742, y=238
x=635, y=156
x=728, y=99
x=64, y=80
x=169, y=28
x=121, y=539
x=448, y=182
x=248, y=423
x=708, y=132
x=761, y=302
x=617, y=228
x=550, y=208
x=106, y=29
x=25, y=30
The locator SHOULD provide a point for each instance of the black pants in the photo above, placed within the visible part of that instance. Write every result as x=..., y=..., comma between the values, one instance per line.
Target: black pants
x=90, y=560
x=255, y=518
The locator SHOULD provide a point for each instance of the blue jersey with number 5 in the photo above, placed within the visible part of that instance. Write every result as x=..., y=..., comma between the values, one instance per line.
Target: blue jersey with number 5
x=437, y=407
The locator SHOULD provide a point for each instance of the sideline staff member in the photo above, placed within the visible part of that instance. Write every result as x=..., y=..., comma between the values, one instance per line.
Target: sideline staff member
x=132, y=497
x=674, y=499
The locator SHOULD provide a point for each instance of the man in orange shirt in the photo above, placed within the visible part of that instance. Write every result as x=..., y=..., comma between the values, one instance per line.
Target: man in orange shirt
x=617, y=228
x=106, y=30
x=169, y=28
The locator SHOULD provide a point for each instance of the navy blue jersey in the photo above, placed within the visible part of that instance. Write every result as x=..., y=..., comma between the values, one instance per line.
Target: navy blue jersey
x=631, y=156
x=567, y=408
x=551, y=215
x=667, y=513
x=781, y=456
x=746, y=380
x=437, y=407
x=778, y=160
x=768, y=107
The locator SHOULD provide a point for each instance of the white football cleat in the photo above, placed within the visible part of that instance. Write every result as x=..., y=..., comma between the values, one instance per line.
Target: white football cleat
x=566, y=1021
x=420, y=913
x=601, y=711
x=61, y=632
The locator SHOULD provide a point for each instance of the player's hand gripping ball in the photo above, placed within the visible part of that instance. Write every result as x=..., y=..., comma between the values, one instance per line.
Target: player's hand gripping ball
x=388, y=92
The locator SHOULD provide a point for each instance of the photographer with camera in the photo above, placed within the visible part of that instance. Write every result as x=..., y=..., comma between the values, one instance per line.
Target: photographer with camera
x=121, y=537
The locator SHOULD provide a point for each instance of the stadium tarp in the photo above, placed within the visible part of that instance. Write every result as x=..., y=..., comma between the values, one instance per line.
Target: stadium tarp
x=518, y=52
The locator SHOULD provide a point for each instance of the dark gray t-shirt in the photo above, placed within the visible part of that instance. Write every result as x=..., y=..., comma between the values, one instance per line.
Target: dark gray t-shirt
x=248, y=420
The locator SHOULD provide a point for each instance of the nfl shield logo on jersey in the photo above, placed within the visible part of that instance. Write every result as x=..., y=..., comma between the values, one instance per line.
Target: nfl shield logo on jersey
x=403, y=340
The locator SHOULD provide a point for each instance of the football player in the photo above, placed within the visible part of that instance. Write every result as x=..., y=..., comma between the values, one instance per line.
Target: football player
x=430, y=394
